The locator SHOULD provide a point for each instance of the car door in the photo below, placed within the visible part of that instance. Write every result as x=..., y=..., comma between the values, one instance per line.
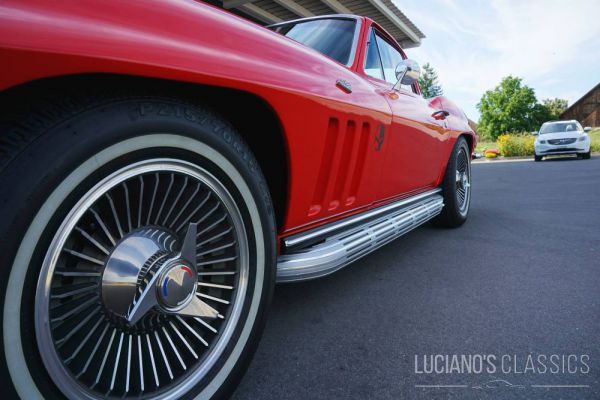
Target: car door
x=335, y=148
x=412, y=145
x=332, y=125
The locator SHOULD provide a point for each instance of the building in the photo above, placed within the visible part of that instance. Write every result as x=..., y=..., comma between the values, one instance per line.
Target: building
x=586, y=110
x=384, y=12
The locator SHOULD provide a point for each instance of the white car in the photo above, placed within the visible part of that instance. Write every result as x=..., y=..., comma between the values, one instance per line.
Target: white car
x=562, y=137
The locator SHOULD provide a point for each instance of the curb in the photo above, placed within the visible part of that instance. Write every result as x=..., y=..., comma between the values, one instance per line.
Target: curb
x=484, y=160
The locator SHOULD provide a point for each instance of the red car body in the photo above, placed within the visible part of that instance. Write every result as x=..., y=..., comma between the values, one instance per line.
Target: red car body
x=335, y=165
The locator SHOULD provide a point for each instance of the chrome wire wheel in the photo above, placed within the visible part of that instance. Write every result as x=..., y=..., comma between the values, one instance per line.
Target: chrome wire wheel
x=463, y=181
x=143, y=284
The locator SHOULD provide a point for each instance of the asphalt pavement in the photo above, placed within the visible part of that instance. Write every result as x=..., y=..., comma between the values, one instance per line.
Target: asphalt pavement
x=519, y=281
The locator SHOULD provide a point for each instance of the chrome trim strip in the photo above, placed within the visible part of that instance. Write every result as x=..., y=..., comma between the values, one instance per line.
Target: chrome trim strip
x=327, y=230
x=326, y=16
x=344, y=248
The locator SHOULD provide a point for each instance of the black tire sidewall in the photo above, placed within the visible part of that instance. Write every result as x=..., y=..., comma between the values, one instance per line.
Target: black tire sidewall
x=53, y=155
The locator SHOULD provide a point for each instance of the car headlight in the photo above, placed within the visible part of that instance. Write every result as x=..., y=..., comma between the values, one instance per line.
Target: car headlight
x=581, y=139
x=542, y=142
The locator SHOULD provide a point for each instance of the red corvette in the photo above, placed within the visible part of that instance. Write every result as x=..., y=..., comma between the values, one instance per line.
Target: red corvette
x=164, y=163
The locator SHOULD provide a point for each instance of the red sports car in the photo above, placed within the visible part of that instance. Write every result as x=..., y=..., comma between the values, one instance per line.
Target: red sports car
x=164, y=163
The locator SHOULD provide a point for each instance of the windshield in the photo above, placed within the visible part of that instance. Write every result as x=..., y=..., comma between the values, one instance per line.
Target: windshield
x=332, y=37
x=560, y=127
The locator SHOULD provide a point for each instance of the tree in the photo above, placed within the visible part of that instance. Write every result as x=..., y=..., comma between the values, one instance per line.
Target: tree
x=555, y=107
x=428, y=83
x=510, y=108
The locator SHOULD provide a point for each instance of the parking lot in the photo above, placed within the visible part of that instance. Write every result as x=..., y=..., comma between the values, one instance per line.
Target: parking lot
x=521, y=277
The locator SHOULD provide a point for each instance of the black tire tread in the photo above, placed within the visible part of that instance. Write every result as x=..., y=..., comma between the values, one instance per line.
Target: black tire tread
x=22, y=123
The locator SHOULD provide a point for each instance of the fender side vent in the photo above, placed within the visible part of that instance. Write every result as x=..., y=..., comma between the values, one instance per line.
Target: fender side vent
x=342, y=164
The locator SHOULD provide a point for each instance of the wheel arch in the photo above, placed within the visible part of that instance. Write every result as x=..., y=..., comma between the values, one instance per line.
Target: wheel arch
x=470, y=140
x=448, y=152
x=249, y=113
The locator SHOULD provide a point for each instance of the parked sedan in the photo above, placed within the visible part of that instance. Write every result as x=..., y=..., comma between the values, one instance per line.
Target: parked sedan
x=562, y=137
x=163, y=165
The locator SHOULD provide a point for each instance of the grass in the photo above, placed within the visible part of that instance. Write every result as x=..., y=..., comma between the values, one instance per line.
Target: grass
x=595, y=136
x=485, y=144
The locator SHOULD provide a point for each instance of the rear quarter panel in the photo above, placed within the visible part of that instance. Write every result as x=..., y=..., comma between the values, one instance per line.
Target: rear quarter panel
x=458, y=125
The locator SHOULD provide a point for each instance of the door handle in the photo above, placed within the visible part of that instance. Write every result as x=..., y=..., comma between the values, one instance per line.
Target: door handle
x=441, y=114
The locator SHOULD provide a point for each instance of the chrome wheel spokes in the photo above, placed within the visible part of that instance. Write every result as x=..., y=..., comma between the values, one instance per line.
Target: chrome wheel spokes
x=143, y=284
x=463, y=180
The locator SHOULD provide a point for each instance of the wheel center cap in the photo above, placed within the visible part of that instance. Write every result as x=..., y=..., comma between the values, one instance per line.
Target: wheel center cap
x=464, y=182
x=177, y=285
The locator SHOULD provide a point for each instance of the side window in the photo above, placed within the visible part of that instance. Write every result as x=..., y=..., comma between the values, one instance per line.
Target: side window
x=373, y=62
x=390, y=57
x=333, y=37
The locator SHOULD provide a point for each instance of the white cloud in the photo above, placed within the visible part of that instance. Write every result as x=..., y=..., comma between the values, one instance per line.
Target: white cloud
x=553, y=45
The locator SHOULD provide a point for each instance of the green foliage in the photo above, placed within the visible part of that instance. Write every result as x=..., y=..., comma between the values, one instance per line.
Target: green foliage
x=516, y=145
x=510, y=108
x=555, y=107
x=428, y=82
x=595, y=138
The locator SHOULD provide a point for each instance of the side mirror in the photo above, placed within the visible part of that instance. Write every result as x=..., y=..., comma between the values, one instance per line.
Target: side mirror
x=407, y=73
x=587, y=129
x=535, y=133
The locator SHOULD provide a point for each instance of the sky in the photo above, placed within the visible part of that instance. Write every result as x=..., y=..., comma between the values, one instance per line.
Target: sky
x=554, y=45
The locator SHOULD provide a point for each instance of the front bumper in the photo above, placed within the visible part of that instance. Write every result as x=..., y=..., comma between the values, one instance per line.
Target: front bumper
x=572, y=148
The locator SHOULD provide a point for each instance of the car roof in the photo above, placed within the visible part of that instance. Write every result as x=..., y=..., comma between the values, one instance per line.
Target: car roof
x=561, y=121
